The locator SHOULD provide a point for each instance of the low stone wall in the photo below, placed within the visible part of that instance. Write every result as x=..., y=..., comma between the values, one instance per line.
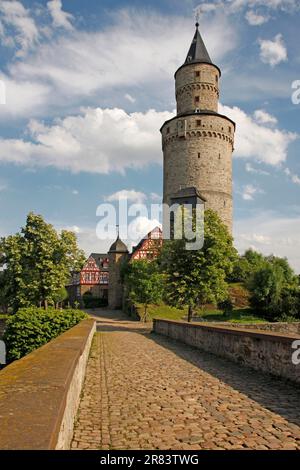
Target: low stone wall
x=261, y=350
x=40, y=393
x=279, y=327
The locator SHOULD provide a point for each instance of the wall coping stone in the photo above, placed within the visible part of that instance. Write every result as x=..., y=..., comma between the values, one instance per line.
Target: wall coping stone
x=34, y=390
x=261, y=334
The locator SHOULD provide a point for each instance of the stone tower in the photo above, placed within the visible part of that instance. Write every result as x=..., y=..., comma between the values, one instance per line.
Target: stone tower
x=198, y=142
x=118, y=253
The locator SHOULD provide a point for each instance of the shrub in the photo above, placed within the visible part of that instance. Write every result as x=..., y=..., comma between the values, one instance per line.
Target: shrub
x=226, y=306
x=30, y=328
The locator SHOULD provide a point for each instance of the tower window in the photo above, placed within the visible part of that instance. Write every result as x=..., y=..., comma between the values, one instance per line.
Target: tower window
x=217, y=78
x=198, y=123
x=168, y=130
x=197, y=99
x=219, y=156
x=197, y=74
x=229, y=129
x=199, y=155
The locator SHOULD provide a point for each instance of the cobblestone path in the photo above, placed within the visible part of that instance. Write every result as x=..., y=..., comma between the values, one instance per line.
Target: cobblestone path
x=143, y=391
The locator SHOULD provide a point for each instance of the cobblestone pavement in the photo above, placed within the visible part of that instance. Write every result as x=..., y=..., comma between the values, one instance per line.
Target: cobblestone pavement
x=144, y=391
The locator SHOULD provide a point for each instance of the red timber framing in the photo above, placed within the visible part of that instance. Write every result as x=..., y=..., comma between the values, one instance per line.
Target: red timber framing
x=148, y=247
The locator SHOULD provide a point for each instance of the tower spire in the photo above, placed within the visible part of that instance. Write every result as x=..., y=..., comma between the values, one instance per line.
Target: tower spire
x=198, y=52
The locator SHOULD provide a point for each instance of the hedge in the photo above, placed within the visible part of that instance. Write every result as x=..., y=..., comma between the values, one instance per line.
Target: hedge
x=31, y=328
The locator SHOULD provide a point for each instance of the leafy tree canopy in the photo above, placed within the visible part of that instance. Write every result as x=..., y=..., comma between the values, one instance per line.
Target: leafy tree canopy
x=37, y=263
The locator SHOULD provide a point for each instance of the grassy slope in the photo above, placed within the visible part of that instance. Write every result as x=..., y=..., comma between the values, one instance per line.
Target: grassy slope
x=239, y=315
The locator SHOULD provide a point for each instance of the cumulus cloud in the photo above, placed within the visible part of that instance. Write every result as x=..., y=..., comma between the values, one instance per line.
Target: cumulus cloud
x=249, y=191
x=98, y=140
x=262, y=117
x=105, y=140
x=258, y=141
x=256, y=19
x=123, y=54
x=17, y=27
x=270, y=233
x=274, y=51
x=127, y=195
x=293, y=177
x=60, y=18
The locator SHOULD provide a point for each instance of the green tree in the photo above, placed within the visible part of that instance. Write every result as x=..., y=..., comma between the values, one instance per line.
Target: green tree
x=143, y=283
x=38, y=262
x=196, y=277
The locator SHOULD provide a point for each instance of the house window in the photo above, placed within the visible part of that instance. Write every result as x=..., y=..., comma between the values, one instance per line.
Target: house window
x=198, y=123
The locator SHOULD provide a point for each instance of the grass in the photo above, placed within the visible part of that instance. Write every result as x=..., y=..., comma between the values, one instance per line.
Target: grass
x=239, y=315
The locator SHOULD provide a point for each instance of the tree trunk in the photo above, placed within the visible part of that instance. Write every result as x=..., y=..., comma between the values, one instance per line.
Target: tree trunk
x=190, y=313
x=145, y=314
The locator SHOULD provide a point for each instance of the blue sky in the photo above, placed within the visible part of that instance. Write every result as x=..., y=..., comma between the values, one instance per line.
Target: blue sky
x=89, y=84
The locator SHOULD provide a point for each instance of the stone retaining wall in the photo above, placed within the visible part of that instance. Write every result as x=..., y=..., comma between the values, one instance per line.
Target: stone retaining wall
x=261, y=350
x=279, y=327
x=40, y=393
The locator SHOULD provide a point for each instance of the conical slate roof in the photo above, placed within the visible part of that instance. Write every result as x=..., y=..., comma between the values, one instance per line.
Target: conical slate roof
x=118, y=246
x=198, y=52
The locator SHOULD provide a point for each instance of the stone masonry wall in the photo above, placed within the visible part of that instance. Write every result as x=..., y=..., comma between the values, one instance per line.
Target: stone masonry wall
x=279, y=327
x=261, y=350
x=197, y=80
x=200, y=156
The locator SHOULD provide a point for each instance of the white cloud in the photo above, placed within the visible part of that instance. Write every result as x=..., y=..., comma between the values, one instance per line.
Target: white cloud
x=98, y=140
x=274, y=51
x=257, y=141
x=256, y=19
x=23, y=99
x=294, y=178
x=60, y=18
x=156, y=197
x=130, y=98
x=270, y=233
x=123, y=54
x=249, y=191
x=250, y=169
x=104, y=140
x=18, y=28
x=262, y=117
x=127, y=195
x=75, y=192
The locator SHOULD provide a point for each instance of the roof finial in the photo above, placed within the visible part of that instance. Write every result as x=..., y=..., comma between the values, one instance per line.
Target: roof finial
x=197, y=18
x=118, y=231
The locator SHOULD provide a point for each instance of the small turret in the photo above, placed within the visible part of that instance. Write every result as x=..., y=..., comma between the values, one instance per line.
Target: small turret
x=118, y=254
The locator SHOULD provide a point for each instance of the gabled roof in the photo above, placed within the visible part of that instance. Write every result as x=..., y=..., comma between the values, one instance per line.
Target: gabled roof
x=146, y=237
x=98, y=257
